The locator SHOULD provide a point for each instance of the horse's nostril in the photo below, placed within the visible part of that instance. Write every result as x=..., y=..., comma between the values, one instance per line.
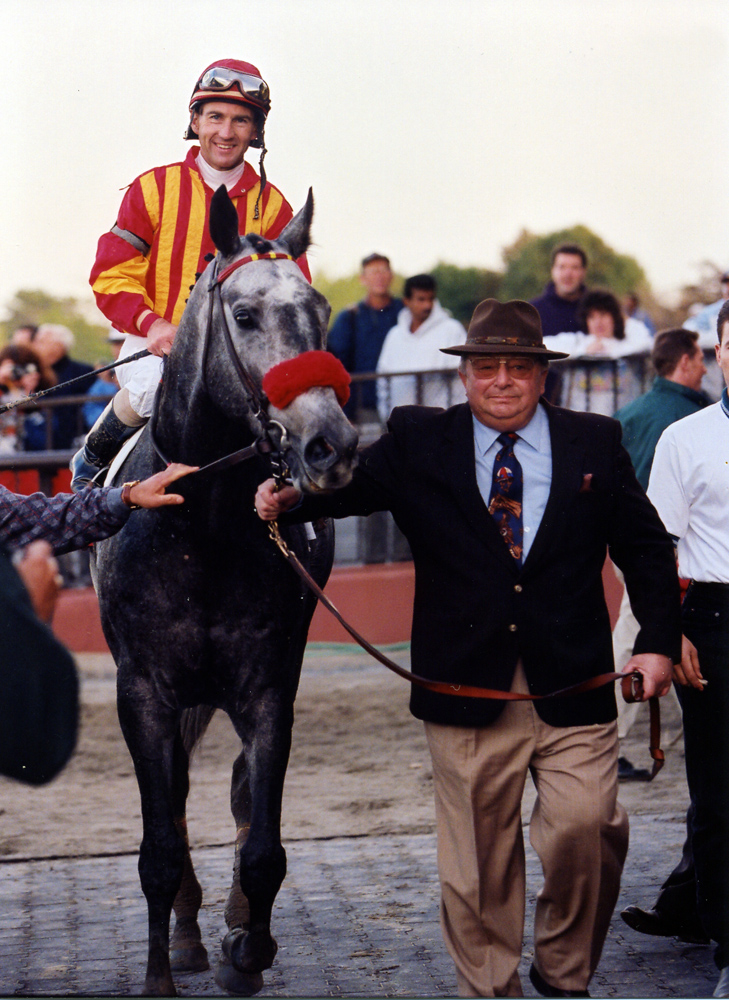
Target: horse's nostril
x=319, y=453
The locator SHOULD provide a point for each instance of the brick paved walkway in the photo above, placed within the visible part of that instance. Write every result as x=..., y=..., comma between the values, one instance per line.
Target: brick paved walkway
x=356, y=917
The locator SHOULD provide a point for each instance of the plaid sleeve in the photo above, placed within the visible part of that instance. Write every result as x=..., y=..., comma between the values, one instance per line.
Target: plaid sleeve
x=66, y=521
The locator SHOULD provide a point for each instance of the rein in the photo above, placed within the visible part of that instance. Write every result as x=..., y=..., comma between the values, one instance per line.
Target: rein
x=632, y=684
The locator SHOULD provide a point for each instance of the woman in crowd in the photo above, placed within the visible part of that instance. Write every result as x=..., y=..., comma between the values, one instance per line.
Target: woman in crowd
x=608, y=374
x=21, y=373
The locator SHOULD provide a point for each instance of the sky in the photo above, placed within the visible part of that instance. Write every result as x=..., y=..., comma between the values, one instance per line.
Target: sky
x=429, y=130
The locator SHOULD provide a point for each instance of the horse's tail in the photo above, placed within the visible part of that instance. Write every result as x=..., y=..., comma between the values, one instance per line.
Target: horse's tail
x=193, y=724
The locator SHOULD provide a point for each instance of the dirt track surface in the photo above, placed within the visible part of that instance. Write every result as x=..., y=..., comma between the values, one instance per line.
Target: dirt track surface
x=359, y=766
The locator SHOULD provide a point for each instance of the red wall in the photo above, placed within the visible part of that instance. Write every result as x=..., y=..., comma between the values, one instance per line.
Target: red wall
x=376, y=600
x=26, y=481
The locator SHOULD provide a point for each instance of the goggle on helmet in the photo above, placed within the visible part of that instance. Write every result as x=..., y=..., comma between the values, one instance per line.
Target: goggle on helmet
x=235, y=81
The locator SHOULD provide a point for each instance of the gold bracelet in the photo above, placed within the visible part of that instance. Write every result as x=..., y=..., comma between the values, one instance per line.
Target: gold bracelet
x=126, y=495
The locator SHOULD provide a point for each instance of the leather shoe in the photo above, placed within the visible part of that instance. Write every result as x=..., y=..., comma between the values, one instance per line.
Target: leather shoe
x=543, y=987
x=722, y=987
x=653, y=922
x=628, y=772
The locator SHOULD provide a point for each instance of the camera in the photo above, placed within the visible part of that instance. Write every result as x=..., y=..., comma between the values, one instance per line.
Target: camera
x=18, y=371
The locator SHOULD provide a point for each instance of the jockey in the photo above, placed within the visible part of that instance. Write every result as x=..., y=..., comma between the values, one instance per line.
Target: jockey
x=153, y=254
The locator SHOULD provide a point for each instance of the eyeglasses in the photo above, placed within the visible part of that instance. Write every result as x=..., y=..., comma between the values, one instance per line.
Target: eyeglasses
x=518, y=368
x=220, y=78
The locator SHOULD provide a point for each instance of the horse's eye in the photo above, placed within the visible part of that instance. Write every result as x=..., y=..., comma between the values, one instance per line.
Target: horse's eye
x=244, y=319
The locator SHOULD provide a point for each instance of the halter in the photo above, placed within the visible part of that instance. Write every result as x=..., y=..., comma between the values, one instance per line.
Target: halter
x=273, y=441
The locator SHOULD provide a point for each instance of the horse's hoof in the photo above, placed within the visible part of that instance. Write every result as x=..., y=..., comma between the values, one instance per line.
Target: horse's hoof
x=157, y=987
x=193, y=958
x=240, y=984
x=249, y=951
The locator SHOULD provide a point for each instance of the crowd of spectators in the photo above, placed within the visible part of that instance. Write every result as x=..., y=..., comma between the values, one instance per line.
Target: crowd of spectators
x=609, y=341
x=37, y=358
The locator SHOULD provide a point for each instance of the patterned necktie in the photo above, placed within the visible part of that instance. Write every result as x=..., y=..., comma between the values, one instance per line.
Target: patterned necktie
x=505, y=503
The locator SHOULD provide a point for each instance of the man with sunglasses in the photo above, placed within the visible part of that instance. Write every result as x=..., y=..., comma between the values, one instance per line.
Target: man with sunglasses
x=510, y=507
x=146, y=264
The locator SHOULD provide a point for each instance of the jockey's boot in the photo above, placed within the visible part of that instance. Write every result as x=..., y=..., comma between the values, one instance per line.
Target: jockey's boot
x=101, y=446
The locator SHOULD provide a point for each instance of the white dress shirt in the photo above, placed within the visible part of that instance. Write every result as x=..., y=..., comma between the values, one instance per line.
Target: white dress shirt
x=533, y=449
x=689, y=487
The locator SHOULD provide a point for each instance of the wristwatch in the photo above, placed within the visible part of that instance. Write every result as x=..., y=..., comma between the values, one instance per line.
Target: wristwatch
x=126, y=494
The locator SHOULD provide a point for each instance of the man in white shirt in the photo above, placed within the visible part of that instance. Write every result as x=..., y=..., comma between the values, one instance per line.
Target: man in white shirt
x=689, y=486
x=413, y=345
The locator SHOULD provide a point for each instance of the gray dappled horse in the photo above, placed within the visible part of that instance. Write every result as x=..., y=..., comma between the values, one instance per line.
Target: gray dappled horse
x=200, y=609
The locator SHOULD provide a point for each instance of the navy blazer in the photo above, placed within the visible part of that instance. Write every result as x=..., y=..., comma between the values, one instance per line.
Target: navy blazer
x=476, y=612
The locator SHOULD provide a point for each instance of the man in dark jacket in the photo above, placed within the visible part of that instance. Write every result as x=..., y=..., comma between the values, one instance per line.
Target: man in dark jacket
x=559, y=304
x=510, y=506
x=359, y=331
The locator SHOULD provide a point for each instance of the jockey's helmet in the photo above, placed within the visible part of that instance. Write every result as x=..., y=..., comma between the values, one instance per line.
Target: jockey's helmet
x=237, y=82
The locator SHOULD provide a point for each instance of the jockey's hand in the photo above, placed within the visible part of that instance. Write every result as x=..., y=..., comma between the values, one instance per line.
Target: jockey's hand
x=657, y=671
x=151, y=492
x=688, y=672
x=160, y=336
x=38, y=570
x=270, y=501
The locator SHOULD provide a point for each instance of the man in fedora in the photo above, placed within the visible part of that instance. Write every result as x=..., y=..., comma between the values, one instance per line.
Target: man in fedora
x=510, y=506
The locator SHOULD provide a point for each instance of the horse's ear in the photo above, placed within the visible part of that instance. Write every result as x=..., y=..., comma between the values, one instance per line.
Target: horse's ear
x=297, y=235
x=224, y=223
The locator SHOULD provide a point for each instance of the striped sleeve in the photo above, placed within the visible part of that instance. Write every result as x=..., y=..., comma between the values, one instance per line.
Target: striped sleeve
x=120, y=277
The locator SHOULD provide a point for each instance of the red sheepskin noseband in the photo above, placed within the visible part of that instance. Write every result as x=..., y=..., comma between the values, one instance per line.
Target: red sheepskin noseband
x=287, y=380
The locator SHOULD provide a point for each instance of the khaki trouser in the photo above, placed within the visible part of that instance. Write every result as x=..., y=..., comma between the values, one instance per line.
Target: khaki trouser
x=578, y=829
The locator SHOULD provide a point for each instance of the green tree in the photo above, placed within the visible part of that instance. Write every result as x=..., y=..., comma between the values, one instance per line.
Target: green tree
x=527, y=264
x=460, y=289
x=34, y=306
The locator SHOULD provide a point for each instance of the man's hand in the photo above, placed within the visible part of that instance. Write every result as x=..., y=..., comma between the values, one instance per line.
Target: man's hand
x=150, y=492
x=656, y=670
x=39, y=572
x=160, y=336
x=270, y=501
x=687, y=672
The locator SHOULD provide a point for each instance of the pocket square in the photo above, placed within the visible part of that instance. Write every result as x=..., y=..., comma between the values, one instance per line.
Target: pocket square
x=586, y=483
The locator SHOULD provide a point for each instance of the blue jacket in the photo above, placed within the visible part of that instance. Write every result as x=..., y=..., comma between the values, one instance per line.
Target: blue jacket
x=356, y=338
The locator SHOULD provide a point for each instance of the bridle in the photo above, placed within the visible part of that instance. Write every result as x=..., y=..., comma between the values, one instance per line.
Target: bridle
x=273, y=439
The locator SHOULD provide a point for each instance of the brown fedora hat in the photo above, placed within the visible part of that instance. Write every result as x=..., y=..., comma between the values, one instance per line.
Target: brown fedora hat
x=505, y=328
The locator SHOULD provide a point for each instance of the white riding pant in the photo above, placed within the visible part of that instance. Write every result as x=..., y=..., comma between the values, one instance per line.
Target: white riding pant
x=140, y=378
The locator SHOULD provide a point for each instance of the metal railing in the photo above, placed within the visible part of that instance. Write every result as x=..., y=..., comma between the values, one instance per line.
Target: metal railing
x=374, y=539
x=49, y=405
